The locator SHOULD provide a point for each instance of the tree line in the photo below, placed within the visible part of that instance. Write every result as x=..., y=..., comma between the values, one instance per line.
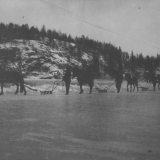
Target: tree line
x=115, y=58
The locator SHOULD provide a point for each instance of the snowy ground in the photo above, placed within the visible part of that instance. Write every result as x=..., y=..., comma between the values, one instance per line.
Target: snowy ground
x=98, y=126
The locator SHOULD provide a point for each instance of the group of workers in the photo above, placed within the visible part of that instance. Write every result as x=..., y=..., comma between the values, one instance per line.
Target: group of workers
x=68, y=74
x=118, y=79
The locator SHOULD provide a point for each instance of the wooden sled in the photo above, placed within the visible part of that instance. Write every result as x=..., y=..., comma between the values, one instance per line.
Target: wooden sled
x=47, y=90
x=104, y=89
x=145, y=88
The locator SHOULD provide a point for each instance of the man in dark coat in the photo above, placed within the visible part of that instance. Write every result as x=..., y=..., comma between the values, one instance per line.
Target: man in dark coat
x=67, y=79
x=153, y=79
x=89, y=72
x=118, y=80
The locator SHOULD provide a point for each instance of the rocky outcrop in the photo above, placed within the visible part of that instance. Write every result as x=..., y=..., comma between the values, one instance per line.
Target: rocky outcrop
x=36, y=58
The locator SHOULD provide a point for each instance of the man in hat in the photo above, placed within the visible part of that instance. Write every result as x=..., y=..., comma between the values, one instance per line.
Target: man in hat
x=119, y=80
x=67, y=79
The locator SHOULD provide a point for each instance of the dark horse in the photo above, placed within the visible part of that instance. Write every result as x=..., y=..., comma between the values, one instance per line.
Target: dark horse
x=158, y=80
x=83, y=77
x=153, y=79
x=132, y=81
x=14, y=77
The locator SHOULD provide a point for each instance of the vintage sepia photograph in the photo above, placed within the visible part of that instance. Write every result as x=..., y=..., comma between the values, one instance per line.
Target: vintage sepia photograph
x=79, y=80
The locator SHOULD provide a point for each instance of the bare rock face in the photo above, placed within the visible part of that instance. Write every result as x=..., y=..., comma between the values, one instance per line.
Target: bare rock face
x=36, y=59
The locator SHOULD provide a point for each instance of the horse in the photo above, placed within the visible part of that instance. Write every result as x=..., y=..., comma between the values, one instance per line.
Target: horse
x=153, y=80
x=158, y=80
x=131, y=80
x=12, y=76
x=83, y=77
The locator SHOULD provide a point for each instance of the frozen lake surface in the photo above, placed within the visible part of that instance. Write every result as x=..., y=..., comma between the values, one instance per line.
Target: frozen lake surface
x=100, y=126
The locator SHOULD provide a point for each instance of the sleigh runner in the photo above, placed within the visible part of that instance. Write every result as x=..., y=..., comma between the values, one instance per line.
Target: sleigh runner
x=104, y=88
x=48, y=90
x=145, y=87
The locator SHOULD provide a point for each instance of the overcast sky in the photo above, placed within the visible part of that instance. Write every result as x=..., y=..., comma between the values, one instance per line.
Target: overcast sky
x=130, y=24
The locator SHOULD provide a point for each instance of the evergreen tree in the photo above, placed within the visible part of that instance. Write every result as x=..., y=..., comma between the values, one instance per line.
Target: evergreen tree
x=32, y=33
x=70, y=39
x=148, y=64
x=120, y=59
x=49, y=35
x=10, y=34
x=140, y=60
x=37, y=36
x=25, y=32
x=2, y=32
x=132, y=63
x=43, y=33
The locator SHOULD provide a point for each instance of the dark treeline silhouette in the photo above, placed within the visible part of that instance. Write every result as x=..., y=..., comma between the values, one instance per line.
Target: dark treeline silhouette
x=114, y=57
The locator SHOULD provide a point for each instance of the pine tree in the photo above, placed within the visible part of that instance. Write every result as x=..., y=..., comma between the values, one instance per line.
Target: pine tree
x=132, y=63
x=25, y=31
x=120, y=59
x=43, y=32
x=32, y=33
x=2, y=32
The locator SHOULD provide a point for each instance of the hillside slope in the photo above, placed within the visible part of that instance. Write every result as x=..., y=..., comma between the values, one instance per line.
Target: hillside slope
x=36, y=59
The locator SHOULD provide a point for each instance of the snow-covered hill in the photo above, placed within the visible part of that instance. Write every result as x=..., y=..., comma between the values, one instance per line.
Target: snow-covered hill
x=36, y=59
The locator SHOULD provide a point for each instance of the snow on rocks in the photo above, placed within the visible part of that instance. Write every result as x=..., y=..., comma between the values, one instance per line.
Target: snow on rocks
x=87, y=56
x=37, y=56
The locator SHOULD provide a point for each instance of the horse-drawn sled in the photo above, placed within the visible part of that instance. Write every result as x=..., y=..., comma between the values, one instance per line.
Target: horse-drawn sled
x=48, y=90
x=15, y=77
x=145, y=87
x=105, y=88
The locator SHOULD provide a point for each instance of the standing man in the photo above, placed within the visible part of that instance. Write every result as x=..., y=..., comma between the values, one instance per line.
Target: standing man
x=67, y=79
x=89, y=76
x=153, y=79
x=89, y=71
x=118, y=81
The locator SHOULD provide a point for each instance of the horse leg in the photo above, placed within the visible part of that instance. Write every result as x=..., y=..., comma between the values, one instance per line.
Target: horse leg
x=133, y=87
x=130, y=87
x=119, y=87
x=127, y=87
x=17, y=88
x=137, y=86
x=81, y=89
x=90, y=89
x=1, y=88
x=91, y=83
x=25, y=92
x=154, y=86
